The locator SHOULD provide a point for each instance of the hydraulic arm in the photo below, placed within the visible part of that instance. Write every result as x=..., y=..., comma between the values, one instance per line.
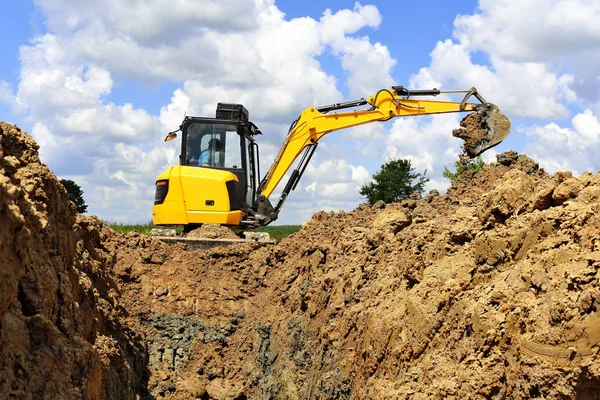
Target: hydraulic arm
x=316, y=122
x=217, y=180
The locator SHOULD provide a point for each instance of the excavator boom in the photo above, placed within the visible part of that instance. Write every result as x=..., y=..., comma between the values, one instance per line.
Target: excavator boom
x=218, y=179
x=487, y=128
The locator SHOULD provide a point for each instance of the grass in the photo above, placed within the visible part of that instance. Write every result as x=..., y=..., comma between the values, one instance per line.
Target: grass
x=276, y=232
x=118, y=227
x=279, y=232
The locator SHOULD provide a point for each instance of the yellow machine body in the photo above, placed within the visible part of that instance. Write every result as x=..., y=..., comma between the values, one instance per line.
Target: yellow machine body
x=233, y=193
x=196, y=195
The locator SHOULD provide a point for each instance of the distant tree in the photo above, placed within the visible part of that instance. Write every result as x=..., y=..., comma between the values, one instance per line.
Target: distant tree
x=474, y=165
x=396, y=181
x=75, y=194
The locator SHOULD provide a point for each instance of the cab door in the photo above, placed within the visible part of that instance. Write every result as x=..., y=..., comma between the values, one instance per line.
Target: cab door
x=213, y=175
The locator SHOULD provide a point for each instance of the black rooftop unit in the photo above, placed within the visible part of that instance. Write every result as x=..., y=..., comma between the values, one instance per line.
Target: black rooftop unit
x=232, y=111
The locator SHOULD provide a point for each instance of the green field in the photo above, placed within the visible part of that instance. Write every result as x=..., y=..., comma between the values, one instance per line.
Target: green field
x=276, y=232
x=280, y=231
x=118, y=227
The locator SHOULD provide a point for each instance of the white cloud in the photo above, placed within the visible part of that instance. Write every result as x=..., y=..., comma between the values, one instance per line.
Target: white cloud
x=427, y=142
x=562, y=34
x=360, y=174
x=263, y=60
x=330, y=185
x=51, y=81
x=531, y=30
x=336, y=179
x=48, y=144
x=489, y=156
x=151, y=20
x=6, y=93
x=172, y=114
x=122, y=123
x=359, y=56
x=574, y=148
x=522, y=89
x=348, y=21
x=8, y=97
x=532, y=59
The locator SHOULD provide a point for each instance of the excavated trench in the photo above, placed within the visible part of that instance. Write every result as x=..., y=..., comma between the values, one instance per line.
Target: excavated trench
x=487, y=292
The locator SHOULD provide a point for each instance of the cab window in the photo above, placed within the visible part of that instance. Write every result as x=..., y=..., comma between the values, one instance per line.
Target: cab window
x=212, y=145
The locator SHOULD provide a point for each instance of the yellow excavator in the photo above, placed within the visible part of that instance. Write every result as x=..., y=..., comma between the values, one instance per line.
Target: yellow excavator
x=218, y=178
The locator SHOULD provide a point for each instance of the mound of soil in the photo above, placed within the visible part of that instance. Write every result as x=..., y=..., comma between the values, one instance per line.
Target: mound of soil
x=62, y=331
x=489, y=291
x=213, y=231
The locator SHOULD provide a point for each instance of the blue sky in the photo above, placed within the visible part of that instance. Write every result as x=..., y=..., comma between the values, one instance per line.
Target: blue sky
x=98, y=84
x=408, y=30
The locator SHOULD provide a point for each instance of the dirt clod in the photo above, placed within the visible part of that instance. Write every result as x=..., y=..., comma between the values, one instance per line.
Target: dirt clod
x=481, y=130
x=213, y=231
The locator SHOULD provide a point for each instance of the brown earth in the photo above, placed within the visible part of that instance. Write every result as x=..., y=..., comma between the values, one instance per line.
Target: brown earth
x=213, y=231
x=63, y=333
x=487, y=292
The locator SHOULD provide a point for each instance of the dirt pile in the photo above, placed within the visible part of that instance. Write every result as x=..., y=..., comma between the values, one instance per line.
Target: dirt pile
x=489, y=291
x=62, y=332
x=213, y=231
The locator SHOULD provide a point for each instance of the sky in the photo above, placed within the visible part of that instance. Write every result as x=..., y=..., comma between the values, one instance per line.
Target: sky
x=98, y=84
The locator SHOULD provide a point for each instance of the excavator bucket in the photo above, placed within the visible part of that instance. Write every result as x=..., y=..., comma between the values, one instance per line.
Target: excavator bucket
x=483, y=129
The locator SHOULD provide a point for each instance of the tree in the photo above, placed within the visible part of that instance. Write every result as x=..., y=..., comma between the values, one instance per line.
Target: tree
x=395, y=181
x=474, y=165
x=75, y=194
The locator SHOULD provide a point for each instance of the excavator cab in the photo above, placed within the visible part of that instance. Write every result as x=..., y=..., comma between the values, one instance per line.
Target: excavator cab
x=218, y=171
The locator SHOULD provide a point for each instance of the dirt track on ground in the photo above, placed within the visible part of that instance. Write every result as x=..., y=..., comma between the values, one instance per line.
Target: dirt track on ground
x=487, y=292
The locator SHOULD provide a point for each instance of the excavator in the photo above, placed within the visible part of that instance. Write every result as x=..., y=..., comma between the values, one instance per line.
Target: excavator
x=218, y=179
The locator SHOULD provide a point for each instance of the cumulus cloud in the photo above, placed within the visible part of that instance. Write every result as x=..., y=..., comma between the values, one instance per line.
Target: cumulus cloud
x=533, y=57
x=6, y=93
x=329, y=184
x=428, y=143
x=572, y=148
x=531, y=30
x=331, y=171
x=151, y=20
x=562, y=34
x=7, y=97
x=521, y=89
x=282, y=75
x=264, y=61
x=359, y=56
x=530, y=58
x=121, y=123
x=172, y=114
